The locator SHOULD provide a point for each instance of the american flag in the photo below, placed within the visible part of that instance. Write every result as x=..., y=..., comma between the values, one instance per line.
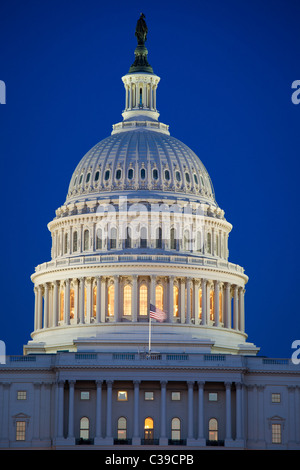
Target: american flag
x=157, y=314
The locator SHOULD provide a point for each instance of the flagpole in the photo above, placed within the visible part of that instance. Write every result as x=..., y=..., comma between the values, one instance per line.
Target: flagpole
x=149, y=334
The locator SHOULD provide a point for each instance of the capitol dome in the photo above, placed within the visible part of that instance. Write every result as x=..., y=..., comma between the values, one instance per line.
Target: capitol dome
x=138, y=158
x=140, y=234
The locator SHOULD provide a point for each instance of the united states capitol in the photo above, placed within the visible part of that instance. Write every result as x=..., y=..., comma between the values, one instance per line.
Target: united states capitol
x=139, y=235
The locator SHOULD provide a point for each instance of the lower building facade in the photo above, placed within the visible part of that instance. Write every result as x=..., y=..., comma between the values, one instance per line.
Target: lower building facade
x=106, y=400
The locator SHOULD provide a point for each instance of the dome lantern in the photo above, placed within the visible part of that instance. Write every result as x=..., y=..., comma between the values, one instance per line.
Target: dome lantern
x=140, y=82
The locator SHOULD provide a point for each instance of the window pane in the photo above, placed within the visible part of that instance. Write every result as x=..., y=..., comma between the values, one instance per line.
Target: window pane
x=122, y=396
x=149, y=396
x=159, y=297
x=143, y=300
x=276, y=433
x=111, y=300
x=175, y=301
x=84, y=396
x=20, y=430
x=127, y=300
x=213, y=397
x=175, y=396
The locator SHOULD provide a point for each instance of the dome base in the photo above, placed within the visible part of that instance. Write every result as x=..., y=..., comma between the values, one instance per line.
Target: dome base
x=134, y=337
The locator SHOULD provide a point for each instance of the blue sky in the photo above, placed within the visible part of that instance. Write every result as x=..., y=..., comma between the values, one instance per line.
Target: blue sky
x=226, y=71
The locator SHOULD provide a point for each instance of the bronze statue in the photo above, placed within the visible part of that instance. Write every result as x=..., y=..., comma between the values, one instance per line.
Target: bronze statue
x=141, y=30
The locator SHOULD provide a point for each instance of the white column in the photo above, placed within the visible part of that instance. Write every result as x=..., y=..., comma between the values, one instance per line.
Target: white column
x=89, y=296
x=242, y=309
x=190, y=410
x=40, y=308
x=81, y=300
x=71, y=410
x=35, y=307
x=239, y=411
x=228, y=413
x=201, y=412
x=67, y=302
x=217, y=302
x=116, y=300
x=60, y=409
x=196, y=301
x=163, y=403
x=134, y=302
x=182, y=301
x=235, y=308
x=136, y=432
x=188, y=300
x=46, y=305
x=55, y=303
x=227, y=304
x=98, y=300
x=204, y=301
x=98, y=436
x=171, y=299
x=109, y=409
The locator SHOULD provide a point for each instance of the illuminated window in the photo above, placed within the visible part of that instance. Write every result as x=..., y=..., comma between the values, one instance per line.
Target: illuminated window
x=213, y=396
x=213, y=429
x=159, y=297
x=276, y=433
x=149, y=396
x=200, y=303
x=61, y=306
x=175, y=396
x=85, y=301
x=21, y=395
x=276, y=398
x=111, y=300
x=20, y=430
x=72, y=303
x=122, y=395
x=84, y=428
x=143, y=300
x=94, y=301
x=176, y=301
x=148, y=428
x=175, y=429
x=127, y=300
x=122, y=428
x=84, y=395
x=86, y=237
x=220, y=306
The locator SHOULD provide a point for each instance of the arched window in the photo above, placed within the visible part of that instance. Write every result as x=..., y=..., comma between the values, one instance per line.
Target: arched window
x=111, y=300
x=173, y=240
x=97, y=174
x=72, y=303
x=208, y=243
x=198, y=242
x=66, y=243
x=84, y=428
x=86, y=237
x=128, y=238
x=148, y=428
x=213, y=429
x=167, y=175
x=122, y=428
x=88, y=177
x=143, y=173
x=127, y=300
x=159, y=296
x=187, y=178
x=107, y=175
x=75, y=238
x=143, y=241
x=62, y=304
x=118, y=174
x=175, y=429
x=143, y=300
x=176, y=301
x=99, y=239
x=130, y=173
x=159, y=237
x=155, y=174
x=186, y=240
x=113, y=238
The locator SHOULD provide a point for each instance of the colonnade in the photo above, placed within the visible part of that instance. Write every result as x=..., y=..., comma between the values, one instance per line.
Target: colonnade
x=102, y=299
x=194, y=412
